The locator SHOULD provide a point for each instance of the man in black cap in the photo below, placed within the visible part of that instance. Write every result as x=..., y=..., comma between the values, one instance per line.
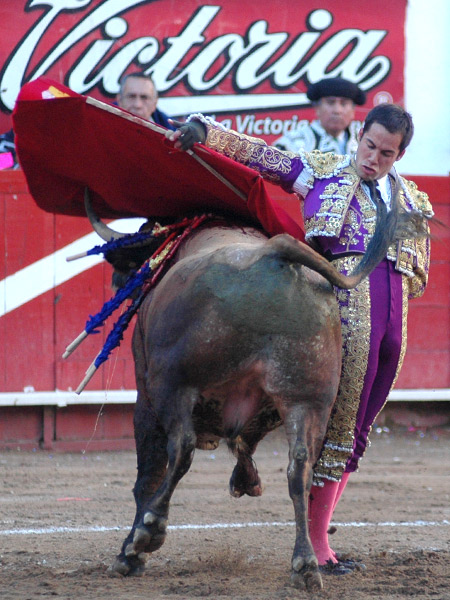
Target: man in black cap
x=334, y=130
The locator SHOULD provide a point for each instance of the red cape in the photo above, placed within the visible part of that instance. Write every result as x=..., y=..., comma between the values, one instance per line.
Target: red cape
x=66, y=142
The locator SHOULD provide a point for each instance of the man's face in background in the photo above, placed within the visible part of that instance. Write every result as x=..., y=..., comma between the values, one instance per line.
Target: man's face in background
x=335, y=113
x=139, y=97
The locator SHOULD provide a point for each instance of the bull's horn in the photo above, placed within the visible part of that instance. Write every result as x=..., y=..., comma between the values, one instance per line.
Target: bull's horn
x=106, y=233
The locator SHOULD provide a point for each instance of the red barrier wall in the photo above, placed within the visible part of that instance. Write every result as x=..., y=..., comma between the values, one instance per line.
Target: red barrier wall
x=427, y=360
x=35, y=334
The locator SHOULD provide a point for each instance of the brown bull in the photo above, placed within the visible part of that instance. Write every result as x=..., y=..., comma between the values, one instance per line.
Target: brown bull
x=238, y=338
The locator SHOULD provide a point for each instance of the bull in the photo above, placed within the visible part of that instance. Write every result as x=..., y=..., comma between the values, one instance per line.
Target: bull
x=241, y=335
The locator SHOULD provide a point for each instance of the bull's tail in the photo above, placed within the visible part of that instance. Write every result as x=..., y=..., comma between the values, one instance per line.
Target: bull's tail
x=392, y=226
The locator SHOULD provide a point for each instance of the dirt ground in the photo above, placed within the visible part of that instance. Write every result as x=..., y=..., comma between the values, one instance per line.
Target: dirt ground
x=63, y=518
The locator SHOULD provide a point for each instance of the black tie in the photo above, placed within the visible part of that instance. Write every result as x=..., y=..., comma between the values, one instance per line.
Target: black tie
x=375, y=194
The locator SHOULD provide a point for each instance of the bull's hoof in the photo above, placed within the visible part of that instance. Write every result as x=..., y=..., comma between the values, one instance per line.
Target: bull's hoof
x=251, y=489
x=207, y=441
x=245, y=480
x=305, y=573
x=128, y=566
x=146, y=538
x=149, y=536
x=309, y=579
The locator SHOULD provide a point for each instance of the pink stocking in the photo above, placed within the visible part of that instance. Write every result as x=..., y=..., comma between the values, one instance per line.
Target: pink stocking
x=341, y=488
x=321, y=506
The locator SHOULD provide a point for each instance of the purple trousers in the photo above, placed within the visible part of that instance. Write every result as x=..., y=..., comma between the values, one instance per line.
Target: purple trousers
x=386, y=313
x=373, y=319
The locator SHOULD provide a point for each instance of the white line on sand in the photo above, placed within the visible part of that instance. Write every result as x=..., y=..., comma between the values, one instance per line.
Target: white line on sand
x=101, y=529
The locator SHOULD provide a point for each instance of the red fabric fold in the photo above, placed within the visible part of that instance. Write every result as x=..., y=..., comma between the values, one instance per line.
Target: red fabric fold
x=66, y=141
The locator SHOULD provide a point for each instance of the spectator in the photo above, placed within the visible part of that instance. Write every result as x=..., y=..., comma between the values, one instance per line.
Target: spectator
x=8, y=156
x=334, y=130
x=138, y=96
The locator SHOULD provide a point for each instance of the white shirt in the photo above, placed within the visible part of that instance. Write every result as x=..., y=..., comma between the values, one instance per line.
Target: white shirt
x=384, y=185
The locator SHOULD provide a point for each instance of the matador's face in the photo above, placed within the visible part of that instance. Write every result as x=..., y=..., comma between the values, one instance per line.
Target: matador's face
x=378, y=150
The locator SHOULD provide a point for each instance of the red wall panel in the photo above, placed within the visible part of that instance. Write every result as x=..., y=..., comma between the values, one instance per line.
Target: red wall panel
x=19, y=426
x=427, y=360
x=29, y=346
x=36, y=334
x=93, y=423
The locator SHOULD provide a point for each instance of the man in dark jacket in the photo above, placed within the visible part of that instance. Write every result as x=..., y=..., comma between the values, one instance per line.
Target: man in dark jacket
x=138, y=95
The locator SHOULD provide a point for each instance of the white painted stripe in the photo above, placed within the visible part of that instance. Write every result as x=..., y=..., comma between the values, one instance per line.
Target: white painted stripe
x=50, y=530
x=102, y=529
x=185, y=105
x=61, y=399
x=53, y=270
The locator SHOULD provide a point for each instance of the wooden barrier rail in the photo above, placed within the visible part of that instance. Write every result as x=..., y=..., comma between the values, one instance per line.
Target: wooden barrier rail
x=35, y=328
x=63, y=399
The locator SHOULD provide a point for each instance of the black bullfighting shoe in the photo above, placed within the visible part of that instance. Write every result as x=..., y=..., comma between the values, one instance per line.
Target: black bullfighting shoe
x=350, y=563
x=331, y=568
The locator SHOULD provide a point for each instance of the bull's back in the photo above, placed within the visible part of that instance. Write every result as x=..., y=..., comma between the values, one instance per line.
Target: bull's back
x=222, y=313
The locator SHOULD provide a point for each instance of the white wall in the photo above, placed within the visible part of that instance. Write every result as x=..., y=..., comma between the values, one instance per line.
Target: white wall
x=427, y=87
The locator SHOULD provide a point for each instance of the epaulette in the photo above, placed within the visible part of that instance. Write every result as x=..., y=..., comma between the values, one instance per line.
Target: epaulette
x=418, y=199
x=324, y=164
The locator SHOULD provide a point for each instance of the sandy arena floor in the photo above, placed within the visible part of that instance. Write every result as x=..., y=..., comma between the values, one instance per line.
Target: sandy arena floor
x=63, y=518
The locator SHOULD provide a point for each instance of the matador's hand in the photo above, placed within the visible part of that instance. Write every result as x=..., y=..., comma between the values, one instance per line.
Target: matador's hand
x=187, y=134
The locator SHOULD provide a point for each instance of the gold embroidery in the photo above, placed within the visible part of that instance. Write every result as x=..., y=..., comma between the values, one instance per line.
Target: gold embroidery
x=355, y=317
x=351, y=228
x=324, y=164
x=420, y=199
x=246, y=149
x=417, y=284
x=336, y=218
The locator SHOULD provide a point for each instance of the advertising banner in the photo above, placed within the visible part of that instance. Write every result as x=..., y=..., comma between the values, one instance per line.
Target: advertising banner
x=247, y=64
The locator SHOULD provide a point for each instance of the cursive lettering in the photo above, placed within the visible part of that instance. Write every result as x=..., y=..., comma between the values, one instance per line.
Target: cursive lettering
x=201, y=63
